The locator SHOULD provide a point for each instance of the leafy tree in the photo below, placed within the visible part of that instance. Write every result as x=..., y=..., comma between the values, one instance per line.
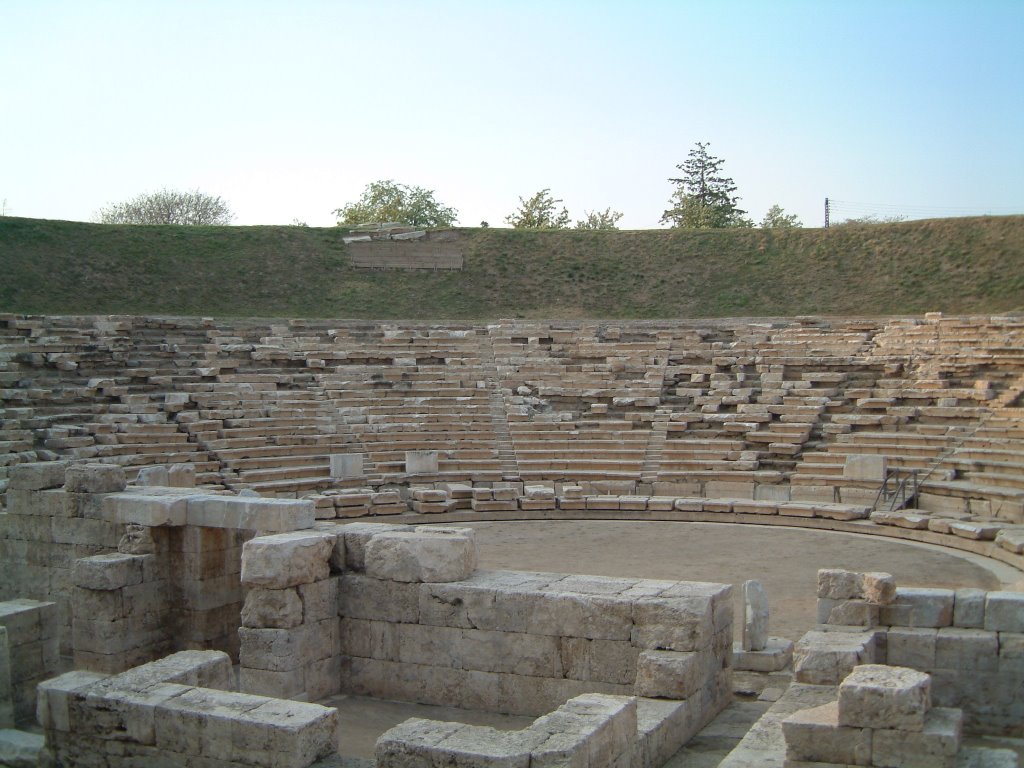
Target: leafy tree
x=606, y=219
x=168, y=207
x=704, y=198
x=777, y=218
x=386, y=201
x=539, y=212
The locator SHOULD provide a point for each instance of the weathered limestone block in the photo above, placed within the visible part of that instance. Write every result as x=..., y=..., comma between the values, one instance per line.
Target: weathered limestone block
x=868, y=468
x=510, y=601
x=37, y=476
x=153, y=476
x=278, y=685
x=53, y=707
x=369, y=639
x=838, y=584
x=422, y=555
x=514, y=653
x=249, y=513
x=672, y=674
x=976, y=531
x=108, y=572
x=592, y=729
x=166, y=708
x=200, y=720
x=355, y=537
x=755, y=616
x=419, y=743
x=919, y=607
x=272, y=608
x=181, y=475
x=842, y=511
x=968, y=608
x=363, y=597
x=345, y=466
x=286, y=559
x=935, y=746
x=283, y=734
x=814, y=735
x=774, y=657
x=146, y=509
x=319, y=600
x=826, y=658
x=561, y=614
x=679, y=624
x=850, y=613
x=277, y=650
x=589, y=730
x=538, y=492
x=613, y=661
x=51, y=502
x=880, y=696
x=429, y=494
x=421, y=462
x=137, y=540
x=912, y=647
x=878, y=588
x=572, y=492
x=966, y=649
x=1011, y=539
x=1004, y=611
x=94, y=478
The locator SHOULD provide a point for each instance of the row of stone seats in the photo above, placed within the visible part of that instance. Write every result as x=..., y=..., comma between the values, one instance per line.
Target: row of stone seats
x=578, y=449
x=790, y=391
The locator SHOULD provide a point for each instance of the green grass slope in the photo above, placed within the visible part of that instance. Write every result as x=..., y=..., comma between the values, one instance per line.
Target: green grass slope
x=962, y=265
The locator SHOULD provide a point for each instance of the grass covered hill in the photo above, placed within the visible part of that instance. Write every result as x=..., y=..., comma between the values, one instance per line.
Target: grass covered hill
x=962, y=265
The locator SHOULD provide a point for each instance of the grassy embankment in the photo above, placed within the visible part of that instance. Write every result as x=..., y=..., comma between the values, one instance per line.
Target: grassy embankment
x=963, y=265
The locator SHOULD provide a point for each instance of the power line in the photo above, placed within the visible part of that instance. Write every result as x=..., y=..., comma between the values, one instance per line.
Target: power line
x=918, y=209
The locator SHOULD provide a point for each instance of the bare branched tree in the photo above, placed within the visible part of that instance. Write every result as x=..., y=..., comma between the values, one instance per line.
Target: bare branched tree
x=168, y=207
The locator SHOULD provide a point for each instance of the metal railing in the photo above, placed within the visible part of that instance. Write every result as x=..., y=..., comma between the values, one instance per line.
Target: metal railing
x=898, y=490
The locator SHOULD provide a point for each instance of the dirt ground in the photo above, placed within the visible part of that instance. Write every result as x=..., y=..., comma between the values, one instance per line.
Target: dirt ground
x=784, y=560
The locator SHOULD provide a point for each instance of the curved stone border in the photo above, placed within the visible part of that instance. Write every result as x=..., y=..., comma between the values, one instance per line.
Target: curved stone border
x=986, y=548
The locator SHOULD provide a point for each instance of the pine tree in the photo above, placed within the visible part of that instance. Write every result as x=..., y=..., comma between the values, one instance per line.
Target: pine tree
x=704, y=198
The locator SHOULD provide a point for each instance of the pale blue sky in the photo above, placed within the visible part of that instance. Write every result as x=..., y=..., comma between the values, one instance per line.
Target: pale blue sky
x=288, y=109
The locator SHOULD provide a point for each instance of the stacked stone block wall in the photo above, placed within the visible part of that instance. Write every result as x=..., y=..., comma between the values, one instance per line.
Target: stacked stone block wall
x=883, y=717
x=49, y=523
x=594, y=730
x=124, y=612
x=290, y=625
x=178, y=711
x=970, y=641
x=414, y=620
x=71, y=533
x=419, y=623
x=29, y=654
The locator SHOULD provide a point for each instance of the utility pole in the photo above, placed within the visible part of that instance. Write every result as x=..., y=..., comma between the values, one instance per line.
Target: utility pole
x=826, y=213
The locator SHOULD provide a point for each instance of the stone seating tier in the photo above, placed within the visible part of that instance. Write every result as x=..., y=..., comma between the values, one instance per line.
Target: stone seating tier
x=793, y=391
